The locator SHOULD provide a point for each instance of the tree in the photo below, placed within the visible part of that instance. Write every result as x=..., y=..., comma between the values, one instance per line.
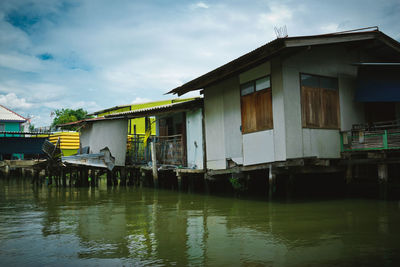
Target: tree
x=68, y=115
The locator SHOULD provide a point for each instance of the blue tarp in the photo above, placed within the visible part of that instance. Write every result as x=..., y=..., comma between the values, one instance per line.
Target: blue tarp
x=378, y=84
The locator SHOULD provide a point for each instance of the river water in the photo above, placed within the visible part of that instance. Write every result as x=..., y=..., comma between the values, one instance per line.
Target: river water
x=146, y=227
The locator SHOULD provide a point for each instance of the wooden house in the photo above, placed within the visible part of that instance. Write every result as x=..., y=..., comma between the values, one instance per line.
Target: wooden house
x=137, y=125
x=286, y=103
x=179, y=134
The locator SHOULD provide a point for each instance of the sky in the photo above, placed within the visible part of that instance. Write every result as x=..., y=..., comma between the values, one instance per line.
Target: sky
x=96, y=54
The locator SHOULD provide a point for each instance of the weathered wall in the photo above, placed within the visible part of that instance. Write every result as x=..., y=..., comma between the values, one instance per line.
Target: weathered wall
x=194, y=138
x=332, y=61
x=108, y=133
x=222, y=123
x=258, y=147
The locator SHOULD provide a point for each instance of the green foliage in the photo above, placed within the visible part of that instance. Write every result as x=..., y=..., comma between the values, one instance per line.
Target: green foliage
x=239, y=184
x=68, y=115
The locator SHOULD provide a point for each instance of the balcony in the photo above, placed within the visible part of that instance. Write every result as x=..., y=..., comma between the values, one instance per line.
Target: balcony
x=169, y=150
x=376, y=136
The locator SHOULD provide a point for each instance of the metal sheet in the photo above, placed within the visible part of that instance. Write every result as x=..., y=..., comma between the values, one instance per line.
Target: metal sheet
x=104, y=159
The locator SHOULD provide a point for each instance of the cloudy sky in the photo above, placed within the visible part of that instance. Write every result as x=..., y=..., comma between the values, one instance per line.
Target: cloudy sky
x=97, y=54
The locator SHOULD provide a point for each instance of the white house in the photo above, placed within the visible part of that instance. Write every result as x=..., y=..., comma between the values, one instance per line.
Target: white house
x=290, y=98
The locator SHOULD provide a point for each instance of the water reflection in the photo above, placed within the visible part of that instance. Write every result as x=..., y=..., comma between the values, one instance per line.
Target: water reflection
x=134, y=226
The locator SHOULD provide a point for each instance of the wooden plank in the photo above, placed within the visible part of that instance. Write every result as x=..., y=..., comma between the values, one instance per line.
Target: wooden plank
x=263, y=109
x=330, y=108
x=249, y=123
x=310, y=106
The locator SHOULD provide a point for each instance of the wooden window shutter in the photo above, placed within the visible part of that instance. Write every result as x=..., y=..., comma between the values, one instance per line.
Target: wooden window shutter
x=330, y=108
x=263, y=109
x=311, y=106
x=249, y=123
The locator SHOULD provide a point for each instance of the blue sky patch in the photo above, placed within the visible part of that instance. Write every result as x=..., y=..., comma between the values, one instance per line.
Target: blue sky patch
x=45, y=56
x=22, y=21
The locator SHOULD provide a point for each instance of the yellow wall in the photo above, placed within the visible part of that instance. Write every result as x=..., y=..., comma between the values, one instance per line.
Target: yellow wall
x=140, y=122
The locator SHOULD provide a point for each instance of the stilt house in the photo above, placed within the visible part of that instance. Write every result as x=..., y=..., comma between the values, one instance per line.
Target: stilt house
x=287, y=102
x=179, y=134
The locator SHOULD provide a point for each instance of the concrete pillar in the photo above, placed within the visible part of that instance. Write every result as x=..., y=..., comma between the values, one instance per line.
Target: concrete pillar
x=383, y=180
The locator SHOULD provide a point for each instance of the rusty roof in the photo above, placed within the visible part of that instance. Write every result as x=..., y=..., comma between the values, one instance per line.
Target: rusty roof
x=277, y=46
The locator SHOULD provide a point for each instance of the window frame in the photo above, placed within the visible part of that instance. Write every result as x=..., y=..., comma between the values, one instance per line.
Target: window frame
x=254, y=93
x=321, y=90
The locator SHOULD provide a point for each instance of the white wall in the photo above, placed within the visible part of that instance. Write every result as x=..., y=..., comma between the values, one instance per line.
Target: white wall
x=258, y=147
x=222, y=123
x=194, y=138
x=332, y=61
x=107, y=133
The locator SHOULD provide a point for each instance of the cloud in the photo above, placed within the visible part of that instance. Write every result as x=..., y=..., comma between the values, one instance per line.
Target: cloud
x=11, y=101
x=199, y=5
x=139, y=100
x=95, y=54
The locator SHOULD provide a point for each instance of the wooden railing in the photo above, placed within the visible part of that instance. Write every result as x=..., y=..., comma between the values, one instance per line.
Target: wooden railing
x=169, y=150
x=379, y=136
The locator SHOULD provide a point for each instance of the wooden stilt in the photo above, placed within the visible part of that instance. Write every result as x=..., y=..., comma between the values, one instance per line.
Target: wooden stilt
x=383, y=180
x=272, y=183
x=109, y=178
x=289, y=187
x=154, y=161
x=123, y=177
x=206, y=185
x=179, y=178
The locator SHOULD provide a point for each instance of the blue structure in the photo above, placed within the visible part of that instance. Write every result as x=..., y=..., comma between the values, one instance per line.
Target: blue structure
x=10, y=121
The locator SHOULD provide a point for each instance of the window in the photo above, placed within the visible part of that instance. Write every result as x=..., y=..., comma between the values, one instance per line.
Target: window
x=319, y=102
x=2, y=127
x=256, y=102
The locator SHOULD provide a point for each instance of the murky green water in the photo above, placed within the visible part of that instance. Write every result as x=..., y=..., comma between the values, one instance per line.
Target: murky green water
x=133, y=226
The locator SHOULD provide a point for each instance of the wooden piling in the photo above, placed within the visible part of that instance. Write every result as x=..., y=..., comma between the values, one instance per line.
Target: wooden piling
x=123, y=176
x=179, y=180
x=383, y=180
x=154, y=161
x=272, y=183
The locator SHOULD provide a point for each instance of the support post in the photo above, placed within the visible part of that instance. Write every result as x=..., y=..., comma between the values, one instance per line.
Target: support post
x=63, y=177
x=154, y=161
x=109, y=178
x=289, y=187
x=123, y=176
x=383, y=180
x=206, y=185
x=271, y=181
x=179, y=180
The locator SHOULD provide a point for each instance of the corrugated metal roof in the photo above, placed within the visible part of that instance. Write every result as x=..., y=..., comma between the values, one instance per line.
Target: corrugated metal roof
x=158, y=109
x=88, y=120
x=140, y=105
x=9, y=115
x=276, y=47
